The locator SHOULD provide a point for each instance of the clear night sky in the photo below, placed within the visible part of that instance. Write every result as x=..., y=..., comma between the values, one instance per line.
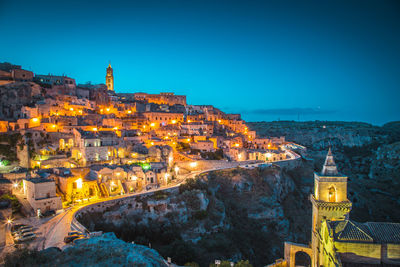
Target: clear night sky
x=334, y=60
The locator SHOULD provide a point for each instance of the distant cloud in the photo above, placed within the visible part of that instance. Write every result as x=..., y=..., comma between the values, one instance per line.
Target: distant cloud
x=289, y=111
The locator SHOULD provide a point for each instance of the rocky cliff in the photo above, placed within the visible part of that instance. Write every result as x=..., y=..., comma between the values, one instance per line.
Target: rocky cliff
x=233, y=214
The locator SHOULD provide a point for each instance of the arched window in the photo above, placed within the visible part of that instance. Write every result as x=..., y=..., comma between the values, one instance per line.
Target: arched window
x=332, y=194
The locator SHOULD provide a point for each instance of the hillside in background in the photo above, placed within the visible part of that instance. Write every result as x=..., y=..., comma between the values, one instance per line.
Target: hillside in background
x=369, y=155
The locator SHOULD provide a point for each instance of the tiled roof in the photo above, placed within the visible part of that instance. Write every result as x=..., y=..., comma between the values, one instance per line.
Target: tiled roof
x=351, y=231
x=385, y=232
x=376, y=232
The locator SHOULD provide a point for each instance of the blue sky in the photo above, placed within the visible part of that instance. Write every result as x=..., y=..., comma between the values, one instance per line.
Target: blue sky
x=269, y=60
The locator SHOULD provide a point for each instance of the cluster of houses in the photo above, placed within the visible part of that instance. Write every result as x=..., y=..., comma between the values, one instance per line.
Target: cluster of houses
x=86, y=141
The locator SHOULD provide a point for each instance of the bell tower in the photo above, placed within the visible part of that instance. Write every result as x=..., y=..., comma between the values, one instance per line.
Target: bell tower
x=110, y=78
x=329, y=202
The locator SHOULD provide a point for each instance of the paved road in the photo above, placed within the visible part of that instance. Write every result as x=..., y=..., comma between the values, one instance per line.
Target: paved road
x=54, y=231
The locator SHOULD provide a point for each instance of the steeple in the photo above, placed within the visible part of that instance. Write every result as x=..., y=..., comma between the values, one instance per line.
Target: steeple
x=109, y=77
x=329, y=168
x=329, y=202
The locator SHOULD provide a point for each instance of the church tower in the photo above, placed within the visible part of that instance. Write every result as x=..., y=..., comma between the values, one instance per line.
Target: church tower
x=329, y=202
x=110, y=78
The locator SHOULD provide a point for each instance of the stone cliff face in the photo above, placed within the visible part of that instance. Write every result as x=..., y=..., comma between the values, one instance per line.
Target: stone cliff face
x=233, y=214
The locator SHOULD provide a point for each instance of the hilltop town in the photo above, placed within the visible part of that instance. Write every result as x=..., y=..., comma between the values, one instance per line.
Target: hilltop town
x=88, y=141
x=79, y=159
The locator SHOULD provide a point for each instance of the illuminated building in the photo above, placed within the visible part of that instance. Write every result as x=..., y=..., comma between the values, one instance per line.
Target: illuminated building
x=41, y=194
x=110, y=78
x=335, y=239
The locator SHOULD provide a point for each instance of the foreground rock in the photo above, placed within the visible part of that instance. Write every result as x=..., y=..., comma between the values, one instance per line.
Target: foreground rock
x=105, y=250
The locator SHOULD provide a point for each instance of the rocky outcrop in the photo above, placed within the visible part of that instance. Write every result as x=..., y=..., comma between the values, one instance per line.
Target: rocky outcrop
x=206, y=217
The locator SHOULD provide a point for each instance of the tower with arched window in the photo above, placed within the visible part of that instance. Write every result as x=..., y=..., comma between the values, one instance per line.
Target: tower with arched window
x=329, y=202
x=110, y=78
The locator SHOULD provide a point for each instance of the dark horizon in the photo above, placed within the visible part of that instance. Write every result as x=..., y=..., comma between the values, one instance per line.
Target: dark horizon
x=267, y=60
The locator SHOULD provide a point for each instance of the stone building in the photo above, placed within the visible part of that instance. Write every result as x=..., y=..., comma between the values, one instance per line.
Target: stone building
x=335, y=239
x=93, y=146
x=55, y=80
x=21, y=75
x=203, y=145
x=77, y=184
x=41, y=194
x=162, y=98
